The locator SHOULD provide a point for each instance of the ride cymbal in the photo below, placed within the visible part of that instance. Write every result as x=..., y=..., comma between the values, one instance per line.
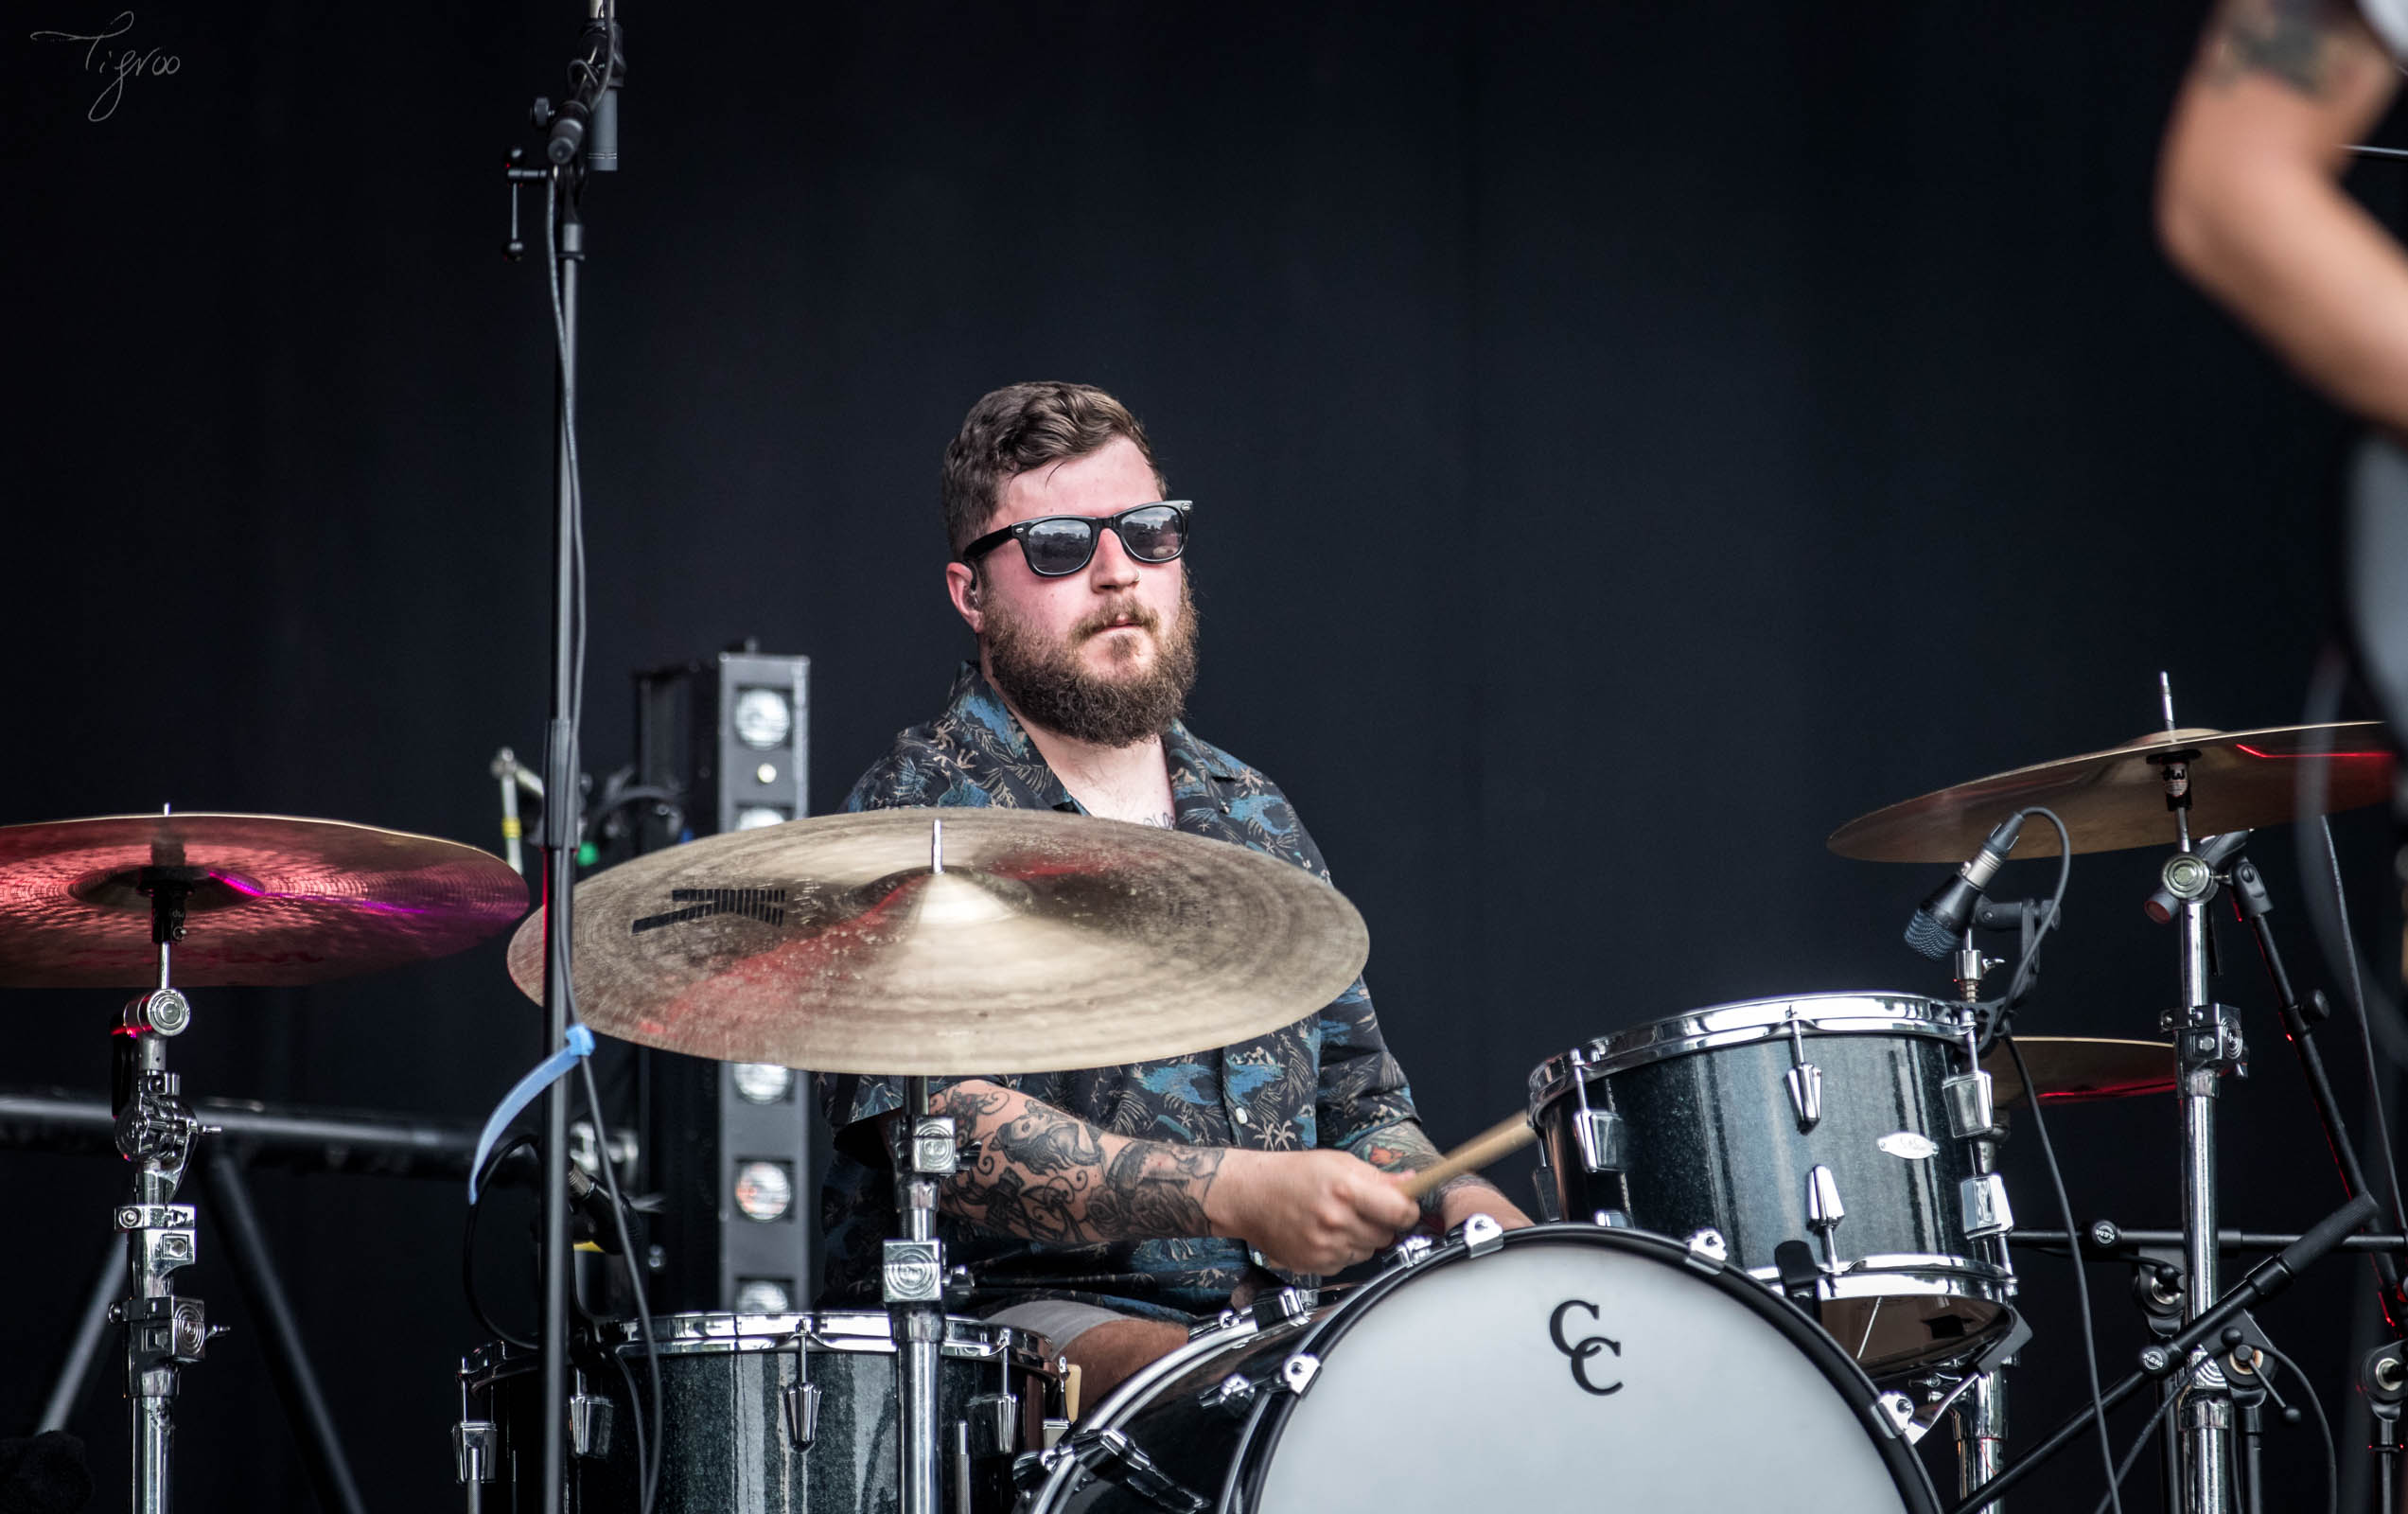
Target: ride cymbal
x=2240, y=780
x=273, y=899
x=1042, y=942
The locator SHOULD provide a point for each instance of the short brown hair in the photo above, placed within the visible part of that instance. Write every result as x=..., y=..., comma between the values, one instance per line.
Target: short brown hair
x=1020, y=427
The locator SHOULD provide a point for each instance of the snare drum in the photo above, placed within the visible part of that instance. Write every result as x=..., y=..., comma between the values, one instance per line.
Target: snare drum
x=767, y=1413
x=1856, y=1125
x=1544, y=1369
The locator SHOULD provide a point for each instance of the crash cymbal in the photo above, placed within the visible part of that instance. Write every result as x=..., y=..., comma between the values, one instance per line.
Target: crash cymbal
x=1047, y=942
x=2073, y=1068
x=277, y=900
x=2239, y=779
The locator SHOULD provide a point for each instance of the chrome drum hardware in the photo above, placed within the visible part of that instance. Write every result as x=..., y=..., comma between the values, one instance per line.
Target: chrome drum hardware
x=1854, y=1128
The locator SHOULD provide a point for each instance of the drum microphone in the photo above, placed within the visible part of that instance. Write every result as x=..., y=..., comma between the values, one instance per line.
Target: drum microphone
x=1941, y=920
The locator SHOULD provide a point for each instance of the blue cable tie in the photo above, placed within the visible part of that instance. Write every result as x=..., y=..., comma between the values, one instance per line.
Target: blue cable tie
x=522, y=1093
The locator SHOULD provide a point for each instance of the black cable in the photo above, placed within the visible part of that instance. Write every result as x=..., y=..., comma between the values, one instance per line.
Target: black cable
x=2028, y=966
x=650, y=1472
x=2316, y=1402
x=2331, y=916
x=2366, y=1031
x=2081, y=1286
x=1999, y=1016
x=2118, y=1471
x=468, y=1242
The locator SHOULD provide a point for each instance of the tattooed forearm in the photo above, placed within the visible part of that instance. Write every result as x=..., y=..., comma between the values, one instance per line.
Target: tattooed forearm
x=1154, y=1189
x=1402, y=1148
x=2298, y=41
x=1045, y=1176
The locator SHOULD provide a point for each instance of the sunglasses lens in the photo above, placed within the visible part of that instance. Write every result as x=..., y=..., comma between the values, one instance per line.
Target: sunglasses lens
x=1058, y=546
x=1155, y=534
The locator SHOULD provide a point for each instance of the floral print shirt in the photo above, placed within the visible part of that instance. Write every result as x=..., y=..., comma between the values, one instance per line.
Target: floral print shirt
x=1326, y=1080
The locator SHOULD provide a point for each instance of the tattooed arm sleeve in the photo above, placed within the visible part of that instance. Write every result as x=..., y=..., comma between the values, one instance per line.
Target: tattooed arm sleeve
x=1044, y=1175
x=2249, y=206
x=1404, y=1146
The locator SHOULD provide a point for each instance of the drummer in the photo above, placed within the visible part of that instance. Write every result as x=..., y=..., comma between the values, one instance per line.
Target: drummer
x=1108, y=1208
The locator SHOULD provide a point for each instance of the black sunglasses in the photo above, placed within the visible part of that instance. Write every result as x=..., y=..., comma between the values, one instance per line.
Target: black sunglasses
x=1056, y=545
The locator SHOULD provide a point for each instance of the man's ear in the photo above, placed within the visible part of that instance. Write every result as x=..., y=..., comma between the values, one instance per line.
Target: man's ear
x=961, y=586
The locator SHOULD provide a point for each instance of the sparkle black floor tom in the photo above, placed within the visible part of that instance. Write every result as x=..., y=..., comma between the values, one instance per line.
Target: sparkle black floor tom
x=765, y=1414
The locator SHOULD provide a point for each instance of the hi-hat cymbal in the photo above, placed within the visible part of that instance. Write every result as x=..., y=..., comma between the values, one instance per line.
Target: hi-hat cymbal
x=276, y=900
x=2073, y=1068
x=1047, y=942
x=2240, y=780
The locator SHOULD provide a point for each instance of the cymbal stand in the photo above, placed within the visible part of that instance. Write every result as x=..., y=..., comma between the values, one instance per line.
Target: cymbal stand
x=914, y=1276
x=156, y=1131
x=2207, y=1045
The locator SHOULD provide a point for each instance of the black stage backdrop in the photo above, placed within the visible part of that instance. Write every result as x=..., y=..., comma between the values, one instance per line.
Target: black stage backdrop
x=1630, y=442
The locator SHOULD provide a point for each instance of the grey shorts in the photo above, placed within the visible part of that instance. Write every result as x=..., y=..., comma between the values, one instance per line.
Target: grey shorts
x=1059, y=1320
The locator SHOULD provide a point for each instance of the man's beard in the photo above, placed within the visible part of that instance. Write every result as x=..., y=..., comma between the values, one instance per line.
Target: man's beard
x=1048, y=684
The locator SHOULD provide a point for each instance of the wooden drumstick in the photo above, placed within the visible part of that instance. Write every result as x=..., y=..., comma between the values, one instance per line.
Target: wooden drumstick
x=1496, y=1143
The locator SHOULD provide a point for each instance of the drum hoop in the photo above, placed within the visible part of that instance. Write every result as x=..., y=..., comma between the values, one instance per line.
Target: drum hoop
x=1747, y=1022
x=715, y=1332
x=1259, y=1440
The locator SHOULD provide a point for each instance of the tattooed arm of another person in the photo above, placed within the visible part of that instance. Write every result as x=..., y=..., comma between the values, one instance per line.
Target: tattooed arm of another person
x=1045, y=1175
x=2249, y=204
x=1405, y=1148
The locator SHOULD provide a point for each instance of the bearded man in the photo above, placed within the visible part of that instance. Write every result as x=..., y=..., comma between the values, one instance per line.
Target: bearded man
x=1109, y=1208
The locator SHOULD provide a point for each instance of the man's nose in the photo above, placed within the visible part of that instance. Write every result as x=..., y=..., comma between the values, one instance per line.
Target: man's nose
x=1112, y=567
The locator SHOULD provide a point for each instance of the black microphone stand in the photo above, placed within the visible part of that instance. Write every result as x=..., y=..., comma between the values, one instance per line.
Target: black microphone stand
x=2251, y=902
x=594, y=77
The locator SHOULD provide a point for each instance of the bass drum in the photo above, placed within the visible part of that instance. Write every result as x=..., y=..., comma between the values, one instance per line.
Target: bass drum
x=1544, y=1369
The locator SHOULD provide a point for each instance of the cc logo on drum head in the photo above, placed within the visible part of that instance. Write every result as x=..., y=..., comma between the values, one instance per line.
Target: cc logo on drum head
x=1583, y=1348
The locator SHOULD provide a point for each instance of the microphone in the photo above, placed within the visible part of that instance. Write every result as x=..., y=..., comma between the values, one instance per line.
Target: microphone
x=1940, y=919
x=588, y=121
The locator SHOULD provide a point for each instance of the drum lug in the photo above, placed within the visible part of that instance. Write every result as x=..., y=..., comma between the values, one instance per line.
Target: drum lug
x=1542, y=1183
x=1482, y=1235
x=1972, y=1113
x=1226, y=1319
x=588, y=1422
x=1983, y=1199
x=1805, y=1081
x=1605, y=1140
x=476, y=1446
x=1824, y=1211
x=1707, y=1251
x=802, y=1413
x=994, y=1417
